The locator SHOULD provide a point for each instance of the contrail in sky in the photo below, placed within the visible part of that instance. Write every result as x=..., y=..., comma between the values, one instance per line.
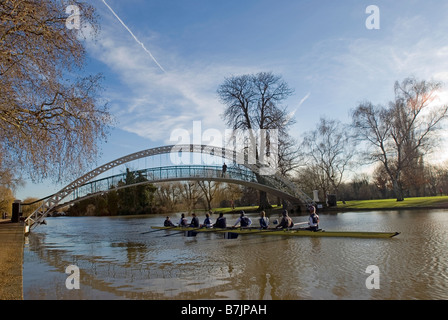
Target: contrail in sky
x=292, y=114
x=135, y=38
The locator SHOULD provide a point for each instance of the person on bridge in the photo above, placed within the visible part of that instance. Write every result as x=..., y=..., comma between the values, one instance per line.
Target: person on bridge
x=224, y=169
x=168, y=223
x=244, y=221
x=286, y=221
x=220, y=222
x=313, y=220
x=264, y=221
x=194, y=221
x=208, y=223
x=183, y=221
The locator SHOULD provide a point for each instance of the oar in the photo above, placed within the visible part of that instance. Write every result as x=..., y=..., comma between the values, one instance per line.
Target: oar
x=300, y=223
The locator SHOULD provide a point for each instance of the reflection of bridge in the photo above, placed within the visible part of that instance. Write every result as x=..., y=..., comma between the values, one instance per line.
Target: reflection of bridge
x=242, y=174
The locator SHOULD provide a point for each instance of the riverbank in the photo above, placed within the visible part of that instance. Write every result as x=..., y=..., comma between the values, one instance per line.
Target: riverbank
x=439, y=202
x=12, y=241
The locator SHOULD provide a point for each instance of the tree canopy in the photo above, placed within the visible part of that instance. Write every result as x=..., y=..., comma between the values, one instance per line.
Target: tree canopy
x=398, y=135
x=51, y=116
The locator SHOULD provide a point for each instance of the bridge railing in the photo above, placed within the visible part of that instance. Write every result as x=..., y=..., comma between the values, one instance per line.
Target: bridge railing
x=165, y=173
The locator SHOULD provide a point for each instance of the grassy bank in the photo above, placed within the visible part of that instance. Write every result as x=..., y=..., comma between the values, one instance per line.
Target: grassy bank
x=247, y=209
x=440, y=202
x=408, y=203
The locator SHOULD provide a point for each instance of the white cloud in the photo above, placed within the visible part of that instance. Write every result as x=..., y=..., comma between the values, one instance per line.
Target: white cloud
x=151, y=104
x=339, y=72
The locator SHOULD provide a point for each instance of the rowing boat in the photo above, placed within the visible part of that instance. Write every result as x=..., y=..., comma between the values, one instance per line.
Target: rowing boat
x=286, y=232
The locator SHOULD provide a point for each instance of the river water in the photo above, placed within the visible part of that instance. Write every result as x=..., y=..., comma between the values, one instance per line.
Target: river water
x=117, y=261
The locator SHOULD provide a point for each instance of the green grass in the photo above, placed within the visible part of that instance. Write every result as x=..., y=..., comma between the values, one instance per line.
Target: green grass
x=238, y=209
x=420, y=202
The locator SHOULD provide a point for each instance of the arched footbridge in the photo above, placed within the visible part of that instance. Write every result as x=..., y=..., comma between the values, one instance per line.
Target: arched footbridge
x=238, y=172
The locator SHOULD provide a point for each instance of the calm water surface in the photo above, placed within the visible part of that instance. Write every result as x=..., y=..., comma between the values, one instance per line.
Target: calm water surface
x=117, y=261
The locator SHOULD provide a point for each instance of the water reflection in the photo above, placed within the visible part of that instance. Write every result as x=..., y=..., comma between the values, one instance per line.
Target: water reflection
x=118, y=261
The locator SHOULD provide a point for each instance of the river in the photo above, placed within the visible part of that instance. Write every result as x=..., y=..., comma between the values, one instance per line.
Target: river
x=116, y=259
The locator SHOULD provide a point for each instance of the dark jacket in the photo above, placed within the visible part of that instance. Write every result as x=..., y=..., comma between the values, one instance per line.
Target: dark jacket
x=221, y=222
x=194, y=222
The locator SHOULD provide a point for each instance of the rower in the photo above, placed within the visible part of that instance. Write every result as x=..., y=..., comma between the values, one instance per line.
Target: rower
x=313, y=220
x=286, y=221
x=220, y=222
x=183, y=221
x=243, y=220
x=207, y=222
x=264, y=221
x=194, y=221
x=168, y=223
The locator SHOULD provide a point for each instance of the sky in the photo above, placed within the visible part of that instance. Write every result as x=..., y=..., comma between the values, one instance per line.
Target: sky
x=163, y=61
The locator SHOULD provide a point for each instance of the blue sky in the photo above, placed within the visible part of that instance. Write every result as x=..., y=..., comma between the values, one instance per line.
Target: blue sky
x=322, y=49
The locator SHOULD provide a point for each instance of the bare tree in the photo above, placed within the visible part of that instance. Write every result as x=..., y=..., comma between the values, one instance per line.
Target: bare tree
x=167, y=196
x=190, y=194
x=330, y=149
x=254, y=102
x=233, y=192
x=312, y=177
x=209, y=189
x=51, y=117
x=398, y=135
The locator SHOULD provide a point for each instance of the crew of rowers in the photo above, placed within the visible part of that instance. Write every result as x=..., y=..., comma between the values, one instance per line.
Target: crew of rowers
x=244, y=221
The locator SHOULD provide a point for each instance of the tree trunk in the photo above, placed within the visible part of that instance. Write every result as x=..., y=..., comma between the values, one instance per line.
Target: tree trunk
x=263, y=199
x=264, y=202
x=398, y=190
